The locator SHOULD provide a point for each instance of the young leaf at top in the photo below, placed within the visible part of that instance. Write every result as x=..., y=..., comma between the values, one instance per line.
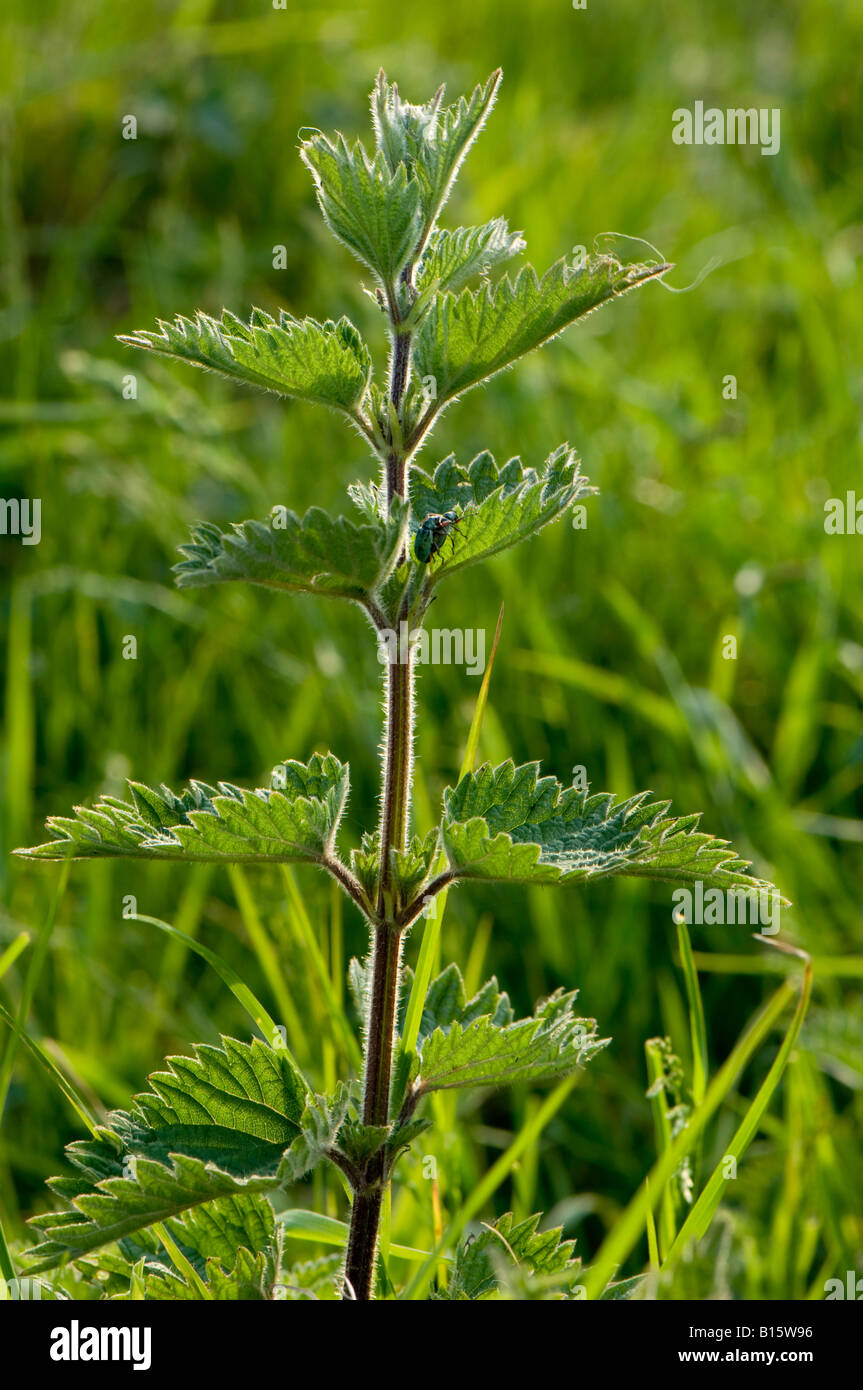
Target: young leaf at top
x=509, y=823
x=312, y=554
x=211, y=1126
x=226, y=824
x=325, y=363
x=498, y=507
x=464, y=339
x=486, y=1052
x=368, y=204
x=430, y=141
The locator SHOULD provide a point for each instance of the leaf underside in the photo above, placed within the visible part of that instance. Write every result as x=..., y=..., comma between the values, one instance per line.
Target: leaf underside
x=230, y=1243
x=453, y=258
x=316, y=554
x=509, y=823
x=466, y=338
x=430, y=141
x=223, y=824
x=484, y=1051
x=323, y=363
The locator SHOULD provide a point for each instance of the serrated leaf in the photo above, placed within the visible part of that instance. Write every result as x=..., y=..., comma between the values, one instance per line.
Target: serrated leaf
x=223, y=824
x=249, y=1278
x=411, y=866
x=366, y=862
x=402, y=1136
x=314, y=1279
x=486, y=1053
x=509, y=823
x=373, y=208
x=623, y=1289
x=430, y=141
x=498, y=507
x=324, y=363
x=446, y=1003
x=452, y=258
x=482, y=1259
x=229, y=1243
x=211, y=1126
x=313, y=554
x=466, y=338
x=219, y=1230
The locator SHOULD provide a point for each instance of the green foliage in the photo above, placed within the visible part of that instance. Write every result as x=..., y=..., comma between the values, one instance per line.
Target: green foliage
x=452, y=258
x=312, y=1279
x=231, y=1246
x=669, y=1091
x=464, y=339
x=373, y=209
x=509, y=823
x=429, y=141
x=500, y=507
x=483, y=1262
x=248, y=1278
x=219, y=1123
x=212, y=825
x=172, y=1194
x=315, y=554
x=412, y=865
x=325, y=363
x=487, y=1052
x=446, y=1004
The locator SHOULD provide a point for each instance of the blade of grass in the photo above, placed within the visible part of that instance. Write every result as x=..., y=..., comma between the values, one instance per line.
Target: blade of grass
x=34, y=970
x=7, y=1269
x=627, y=1230
x=697, y=1025
x=697, y=1032
x=13, y=951
x=241, y=992
x=703, y=1211
x=650, y=1226
x=268, y=961
x=75, y=1099
x=476, y=957
x=823, y=967
x=189, y=1273
x=306, y=935
x=19, y=721
x=662, y=1126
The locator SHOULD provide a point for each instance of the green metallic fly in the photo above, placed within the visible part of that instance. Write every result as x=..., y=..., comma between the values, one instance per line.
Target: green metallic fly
x=432, y=533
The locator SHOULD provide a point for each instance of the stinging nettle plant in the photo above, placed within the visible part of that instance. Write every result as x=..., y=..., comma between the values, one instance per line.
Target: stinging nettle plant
x=186, y=1172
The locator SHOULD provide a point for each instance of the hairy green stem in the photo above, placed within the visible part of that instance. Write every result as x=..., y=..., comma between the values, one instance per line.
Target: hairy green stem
x=380, y=1029
x=394, y=810
x=396, y=459
x=368, y=1194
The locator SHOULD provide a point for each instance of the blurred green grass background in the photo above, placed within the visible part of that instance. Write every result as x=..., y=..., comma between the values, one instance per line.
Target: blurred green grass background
x=709, y=523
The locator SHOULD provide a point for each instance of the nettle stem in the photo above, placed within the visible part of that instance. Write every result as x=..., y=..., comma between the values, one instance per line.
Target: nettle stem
x=386, y=954
x=387, y=938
